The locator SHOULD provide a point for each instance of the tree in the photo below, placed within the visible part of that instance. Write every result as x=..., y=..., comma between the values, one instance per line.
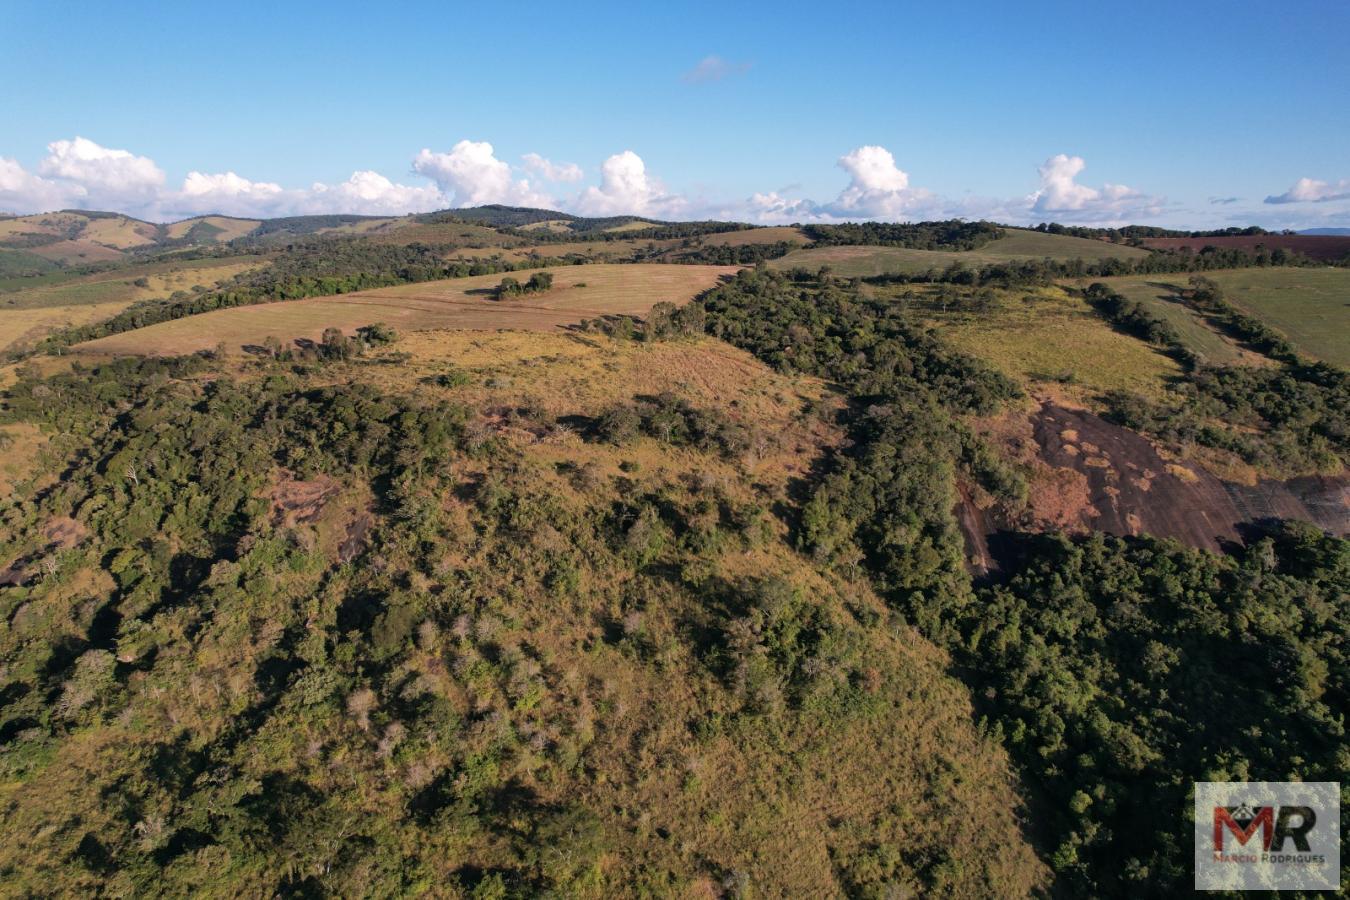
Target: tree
x=335, y=344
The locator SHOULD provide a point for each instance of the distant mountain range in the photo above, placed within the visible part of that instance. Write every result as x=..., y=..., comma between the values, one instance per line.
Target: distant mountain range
x=1331, y=231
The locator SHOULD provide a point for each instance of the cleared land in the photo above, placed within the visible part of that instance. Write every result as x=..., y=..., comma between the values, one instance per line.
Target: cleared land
x=1053, y=342
x=756, y=236
x=1329, y=248
x=1160, y=298
x=161, y=279
x=21, y=328
x=1018, y=244
x=579, y=292
x=221, y=228
x=1311, y=307
x=60, y=299
x=76, y=238
x=409, y=232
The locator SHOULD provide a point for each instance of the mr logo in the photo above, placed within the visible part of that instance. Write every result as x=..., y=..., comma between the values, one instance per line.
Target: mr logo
x=1277, y=824
x=1266, y=835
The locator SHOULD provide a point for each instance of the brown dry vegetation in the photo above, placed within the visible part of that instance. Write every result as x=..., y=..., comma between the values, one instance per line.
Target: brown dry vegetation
x=693, y=793
x=772, y=235
x=579, y=292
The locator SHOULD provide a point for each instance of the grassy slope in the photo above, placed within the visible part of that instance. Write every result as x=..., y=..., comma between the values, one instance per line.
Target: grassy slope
x=579, y=292
x=755, y=236
x=1018, y=244
x=228, y=227
x=687, y=788
x=1048, y=340
x=64, y=299
x=1311, y=307
x=1158, y=294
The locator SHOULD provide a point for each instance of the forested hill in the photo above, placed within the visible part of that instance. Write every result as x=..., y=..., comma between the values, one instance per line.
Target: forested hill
x=521, y=556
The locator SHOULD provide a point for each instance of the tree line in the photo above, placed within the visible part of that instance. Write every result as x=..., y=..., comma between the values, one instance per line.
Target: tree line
x=1098, y=660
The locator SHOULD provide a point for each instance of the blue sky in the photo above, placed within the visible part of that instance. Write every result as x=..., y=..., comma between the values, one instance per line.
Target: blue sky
x=1177, y=105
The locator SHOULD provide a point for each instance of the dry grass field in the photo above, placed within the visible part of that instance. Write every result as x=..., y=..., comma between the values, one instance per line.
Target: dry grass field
x=1018, y=244
x=228, y=227
x=21, y=328
x=60, y=300
x=405, y=231
x=84, y=239
x=579, y=292
x=161, y=280
x=123, y=233
x=756, y=236
x=1050, y=341
x=630, y=226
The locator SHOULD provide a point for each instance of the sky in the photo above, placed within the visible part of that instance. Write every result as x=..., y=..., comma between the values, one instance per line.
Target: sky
x=1193, y=115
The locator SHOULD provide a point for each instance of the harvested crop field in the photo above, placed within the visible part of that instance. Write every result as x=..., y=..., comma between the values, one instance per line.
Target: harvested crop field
x=1326, y=247
x=579, y=292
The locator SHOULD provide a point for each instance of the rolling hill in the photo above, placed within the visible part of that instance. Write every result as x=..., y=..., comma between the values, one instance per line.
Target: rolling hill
x=1017, y=244
x=327, y=568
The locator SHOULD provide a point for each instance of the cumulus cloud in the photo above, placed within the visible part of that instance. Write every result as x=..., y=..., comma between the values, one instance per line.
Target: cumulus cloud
x=371, y=193
x=1061, y=196
x=102, y=171
x=627, y=189
x=365, y=193
x=22, y=191
x=772, y=206
x=877, y=187
x=472, y=174
x=1310, y=190
x=82, y=174
x=551, y=171
x=713, y=68
x=228, y=194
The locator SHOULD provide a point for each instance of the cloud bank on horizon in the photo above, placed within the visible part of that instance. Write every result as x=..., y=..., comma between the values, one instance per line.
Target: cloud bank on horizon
x=82, y=174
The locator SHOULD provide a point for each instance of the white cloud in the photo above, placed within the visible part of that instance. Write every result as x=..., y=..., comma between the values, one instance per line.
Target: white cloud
x=228, y=194
x=877, y=188
x=102, y=171
x=1310, y=190
x=773, y=207
x=626, y=189
x=364, y=193
x=713, y=68
x=551, y=171
x=370, y=193
x=22, y=191
x=473, y=175
x=1061, y=196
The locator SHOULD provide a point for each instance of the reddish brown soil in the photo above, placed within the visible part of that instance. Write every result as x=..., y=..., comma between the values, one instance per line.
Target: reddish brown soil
x=1326, y=247
x=1131, y=489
